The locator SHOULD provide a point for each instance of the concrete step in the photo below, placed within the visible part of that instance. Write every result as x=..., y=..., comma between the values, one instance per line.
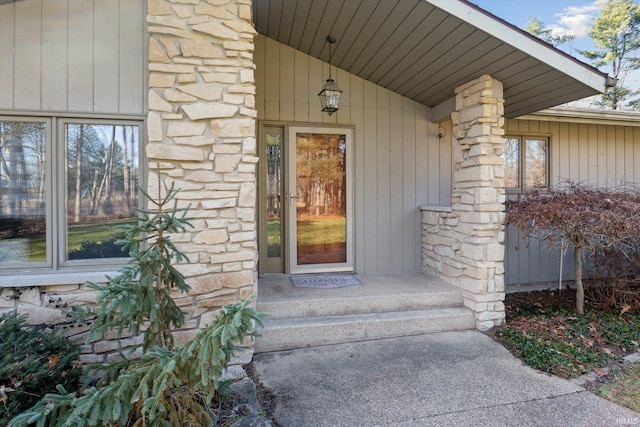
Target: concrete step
x=338, y=303
x=300, y=332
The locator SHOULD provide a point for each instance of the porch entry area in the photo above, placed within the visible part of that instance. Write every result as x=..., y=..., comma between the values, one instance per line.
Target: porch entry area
x=383, y=306
x=305, y=199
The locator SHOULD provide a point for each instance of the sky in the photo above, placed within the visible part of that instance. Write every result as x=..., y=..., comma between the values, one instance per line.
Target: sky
x=562, y=16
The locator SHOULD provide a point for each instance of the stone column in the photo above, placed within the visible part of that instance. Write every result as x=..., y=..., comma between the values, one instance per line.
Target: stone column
x=201, y=131
x=465, y=245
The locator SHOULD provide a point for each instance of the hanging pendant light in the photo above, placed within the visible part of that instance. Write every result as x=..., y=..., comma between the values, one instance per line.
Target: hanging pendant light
x=330, y=93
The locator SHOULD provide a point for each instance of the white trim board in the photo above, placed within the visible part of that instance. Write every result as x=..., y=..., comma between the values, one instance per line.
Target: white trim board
x=536, y=49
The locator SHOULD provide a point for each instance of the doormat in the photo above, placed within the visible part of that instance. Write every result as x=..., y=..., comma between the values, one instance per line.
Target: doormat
x=324, y=281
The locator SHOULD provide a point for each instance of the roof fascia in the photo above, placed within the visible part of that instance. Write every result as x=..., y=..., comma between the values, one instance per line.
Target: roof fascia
x=527, y=43
x=620, y=118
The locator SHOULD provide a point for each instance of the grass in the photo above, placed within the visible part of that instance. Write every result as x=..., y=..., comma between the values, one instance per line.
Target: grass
x=78, y=234
x=94, y=232
x=320, y=230
x=623, y=387
x=273, y=232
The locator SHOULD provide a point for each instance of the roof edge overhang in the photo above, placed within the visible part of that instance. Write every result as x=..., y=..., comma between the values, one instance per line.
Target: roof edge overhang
x=531, y=45
x=611, y=117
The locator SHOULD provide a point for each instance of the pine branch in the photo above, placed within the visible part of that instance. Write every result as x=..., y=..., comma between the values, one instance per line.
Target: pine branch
x=165, y=385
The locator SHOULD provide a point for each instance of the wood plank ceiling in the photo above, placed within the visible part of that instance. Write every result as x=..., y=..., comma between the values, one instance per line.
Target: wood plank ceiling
x=417, y=50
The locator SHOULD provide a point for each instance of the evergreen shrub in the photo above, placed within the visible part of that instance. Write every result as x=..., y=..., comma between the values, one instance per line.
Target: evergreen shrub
x=32, y=362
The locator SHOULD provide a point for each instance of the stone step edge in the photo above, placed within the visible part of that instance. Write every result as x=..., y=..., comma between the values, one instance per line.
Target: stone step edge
x=363, y=317
x=291, y=333
x=359, y=305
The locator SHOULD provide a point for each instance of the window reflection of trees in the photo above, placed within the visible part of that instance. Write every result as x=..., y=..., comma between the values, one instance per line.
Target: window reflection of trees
x=102, y=180
x=511, y=155
x=536, y=163
x=321, y=177
x=22, y=188
x=525, y=162
x=274, y=184
x=102, y=172
x=274, y=175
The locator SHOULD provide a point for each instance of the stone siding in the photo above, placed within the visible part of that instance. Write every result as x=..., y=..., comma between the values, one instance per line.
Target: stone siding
x=202, y=138
x=464, y=245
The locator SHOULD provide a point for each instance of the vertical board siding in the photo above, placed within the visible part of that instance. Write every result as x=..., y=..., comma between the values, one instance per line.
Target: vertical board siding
x=396, y=192
x=7, y=60
x=54, y=57
x=81, y=68
x=383, y=184
x=370, y=184
x=133, y=62
x=27, y=55
x=399, y=163
x=79, y=56
x=591, y=154
x=408, y=173
x=106, y=22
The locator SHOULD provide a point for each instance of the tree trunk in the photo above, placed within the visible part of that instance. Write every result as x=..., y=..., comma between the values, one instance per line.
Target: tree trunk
x=104, y=183
x=125, y=171
x=109, y=173
x=17, y=174
x=77, y=207
x=94, y=184
x=577, y=257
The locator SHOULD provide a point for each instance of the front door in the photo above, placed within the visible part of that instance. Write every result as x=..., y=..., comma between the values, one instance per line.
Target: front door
x=319, y=201
x=306, y=206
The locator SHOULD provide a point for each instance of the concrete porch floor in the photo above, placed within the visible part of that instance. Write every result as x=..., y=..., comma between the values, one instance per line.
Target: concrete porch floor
x=275, y=289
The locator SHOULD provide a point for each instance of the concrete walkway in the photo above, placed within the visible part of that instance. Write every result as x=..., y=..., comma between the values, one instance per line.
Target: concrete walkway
x=446, y=379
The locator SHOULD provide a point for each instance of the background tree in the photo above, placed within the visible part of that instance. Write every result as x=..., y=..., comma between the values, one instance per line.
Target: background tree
x=616, y=37
x=542, y=31
x=321, y=182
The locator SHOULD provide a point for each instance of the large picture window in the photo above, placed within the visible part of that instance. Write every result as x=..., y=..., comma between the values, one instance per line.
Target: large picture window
x=65, y=187
x=526, y=162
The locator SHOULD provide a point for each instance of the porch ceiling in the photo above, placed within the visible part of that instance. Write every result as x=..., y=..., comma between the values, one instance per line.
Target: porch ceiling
x=424, y=49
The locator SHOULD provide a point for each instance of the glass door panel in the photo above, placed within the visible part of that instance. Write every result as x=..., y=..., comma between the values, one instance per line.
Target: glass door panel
x=274, y=179
x=319, y=200
x=271, y=220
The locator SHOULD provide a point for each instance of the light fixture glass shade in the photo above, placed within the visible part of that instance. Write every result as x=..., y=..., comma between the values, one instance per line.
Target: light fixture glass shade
x=330, y=96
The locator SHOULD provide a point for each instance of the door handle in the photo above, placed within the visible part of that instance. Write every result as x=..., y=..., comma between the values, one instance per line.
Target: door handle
x=290, y=197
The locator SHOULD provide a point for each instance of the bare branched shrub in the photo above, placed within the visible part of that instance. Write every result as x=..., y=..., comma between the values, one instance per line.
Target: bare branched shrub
x=588, y=218
x=616, y=279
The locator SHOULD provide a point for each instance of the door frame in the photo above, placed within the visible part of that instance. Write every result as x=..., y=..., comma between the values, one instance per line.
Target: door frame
x=291, y=224
x=263, y=265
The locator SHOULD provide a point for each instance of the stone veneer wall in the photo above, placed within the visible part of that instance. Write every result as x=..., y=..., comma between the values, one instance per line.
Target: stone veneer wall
x=464, y=244
x=201, y=132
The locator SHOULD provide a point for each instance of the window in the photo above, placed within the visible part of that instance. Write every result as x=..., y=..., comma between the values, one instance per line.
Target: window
x=65, y=186
x=526, y=162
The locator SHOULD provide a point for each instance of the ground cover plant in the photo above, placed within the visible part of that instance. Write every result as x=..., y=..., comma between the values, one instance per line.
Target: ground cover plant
x=32, y=362
x=168, y=385
x=543, y=330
